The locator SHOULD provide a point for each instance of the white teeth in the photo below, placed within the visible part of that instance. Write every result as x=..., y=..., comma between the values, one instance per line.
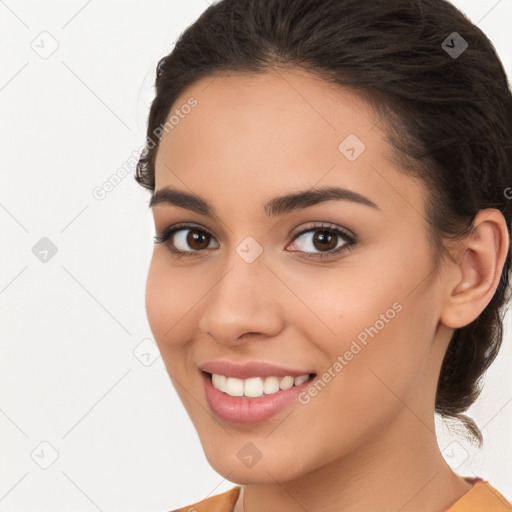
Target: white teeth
x=299, y=380
x=234, y=387
x=271, y=385
x=219, y=381
x=255, y=386
x=286, y=382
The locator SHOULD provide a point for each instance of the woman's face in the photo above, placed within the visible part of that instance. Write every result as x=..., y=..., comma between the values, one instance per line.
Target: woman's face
x=364, y=318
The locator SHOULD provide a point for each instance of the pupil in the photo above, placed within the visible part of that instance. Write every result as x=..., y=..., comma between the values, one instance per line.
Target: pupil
x=325, y=236
x=194, y=237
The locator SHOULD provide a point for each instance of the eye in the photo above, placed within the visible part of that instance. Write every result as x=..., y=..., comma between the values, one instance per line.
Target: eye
x=179, y=238
x=190, y=240
x=327, y=239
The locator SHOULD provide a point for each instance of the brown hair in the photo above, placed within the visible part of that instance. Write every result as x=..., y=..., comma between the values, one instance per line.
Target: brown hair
x=447, y=115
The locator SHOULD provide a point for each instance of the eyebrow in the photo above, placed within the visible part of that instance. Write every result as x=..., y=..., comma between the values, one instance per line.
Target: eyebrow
x=277, y=206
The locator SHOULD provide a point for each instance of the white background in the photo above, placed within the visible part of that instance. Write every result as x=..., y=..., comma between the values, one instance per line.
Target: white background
x=69, y=327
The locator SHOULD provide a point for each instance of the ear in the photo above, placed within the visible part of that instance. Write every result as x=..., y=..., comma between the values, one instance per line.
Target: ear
x=474, y=276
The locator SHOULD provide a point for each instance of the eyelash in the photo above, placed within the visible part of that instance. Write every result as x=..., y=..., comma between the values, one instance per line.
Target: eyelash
x=351, y=240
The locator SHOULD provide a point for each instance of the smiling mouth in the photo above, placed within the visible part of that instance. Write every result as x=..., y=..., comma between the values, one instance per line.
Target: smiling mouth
x=255, y=387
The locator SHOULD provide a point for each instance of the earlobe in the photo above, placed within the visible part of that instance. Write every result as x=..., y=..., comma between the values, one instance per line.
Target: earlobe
x=477, y=273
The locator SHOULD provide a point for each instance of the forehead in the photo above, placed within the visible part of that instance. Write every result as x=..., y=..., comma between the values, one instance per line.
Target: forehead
x=278, y=131
x=267, y=112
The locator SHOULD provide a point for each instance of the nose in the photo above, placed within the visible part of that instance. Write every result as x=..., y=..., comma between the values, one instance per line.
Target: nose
x=245, y=299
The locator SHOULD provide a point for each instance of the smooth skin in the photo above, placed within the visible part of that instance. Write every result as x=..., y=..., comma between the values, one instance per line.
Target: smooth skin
x=367, y=440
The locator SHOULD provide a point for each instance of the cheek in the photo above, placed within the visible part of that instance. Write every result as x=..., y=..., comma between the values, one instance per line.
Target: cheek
x=168, y=300
x=156, y=298
x=375, y=330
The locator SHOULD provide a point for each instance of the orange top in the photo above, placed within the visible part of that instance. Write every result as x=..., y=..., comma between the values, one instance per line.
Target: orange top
x=483, y=497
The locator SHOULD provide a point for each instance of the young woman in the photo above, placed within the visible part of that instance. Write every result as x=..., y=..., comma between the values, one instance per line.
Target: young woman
x=331, y=190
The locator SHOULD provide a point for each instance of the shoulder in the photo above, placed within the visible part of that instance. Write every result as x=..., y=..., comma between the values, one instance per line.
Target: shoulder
x=482, y=497
x=219, y=503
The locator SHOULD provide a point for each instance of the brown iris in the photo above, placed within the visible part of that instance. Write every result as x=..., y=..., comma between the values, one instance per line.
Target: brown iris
x=325, y=240
x=197, y=237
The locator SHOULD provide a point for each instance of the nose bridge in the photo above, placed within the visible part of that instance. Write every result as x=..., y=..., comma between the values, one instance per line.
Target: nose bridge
x=240, y=284
x=240, y=300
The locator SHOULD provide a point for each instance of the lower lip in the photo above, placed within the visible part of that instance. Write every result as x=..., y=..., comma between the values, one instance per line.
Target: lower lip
x=239, y=409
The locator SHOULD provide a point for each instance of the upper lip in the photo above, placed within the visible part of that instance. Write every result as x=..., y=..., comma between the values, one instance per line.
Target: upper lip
x=249, y=369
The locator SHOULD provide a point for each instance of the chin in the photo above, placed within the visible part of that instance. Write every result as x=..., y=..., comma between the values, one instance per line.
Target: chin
x=267, y=469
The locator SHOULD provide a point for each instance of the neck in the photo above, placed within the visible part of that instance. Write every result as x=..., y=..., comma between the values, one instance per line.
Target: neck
x=402, y=469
